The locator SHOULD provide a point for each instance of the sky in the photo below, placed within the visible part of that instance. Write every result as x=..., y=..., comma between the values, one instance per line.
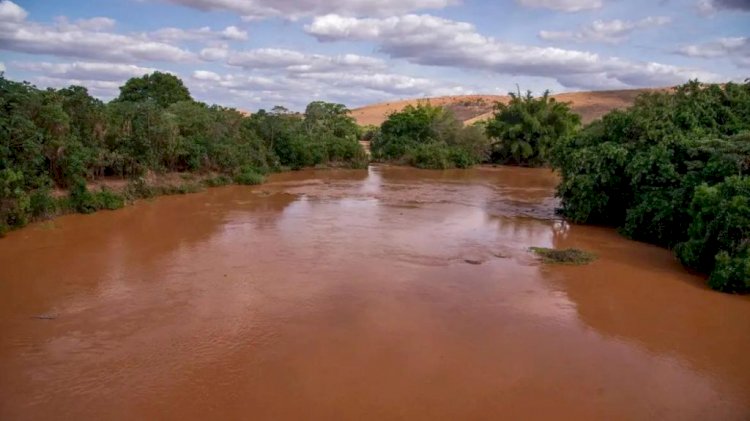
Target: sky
x=255, y=54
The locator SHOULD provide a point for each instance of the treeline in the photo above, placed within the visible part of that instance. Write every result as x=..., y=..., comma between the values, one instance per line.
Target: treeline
x=671, y=170
x=60, y=139
x=521, y=132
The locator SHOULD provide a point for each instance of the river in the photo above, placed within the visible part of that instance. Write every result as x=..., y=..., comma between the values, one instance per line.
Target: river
x=390, y=293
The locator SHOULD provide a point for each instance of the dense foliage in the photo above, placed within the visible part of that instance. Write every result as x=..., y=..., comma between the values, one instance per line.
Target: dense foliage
x=671, y=170
x=65, y=138
x=524, y=130
x=426, y=136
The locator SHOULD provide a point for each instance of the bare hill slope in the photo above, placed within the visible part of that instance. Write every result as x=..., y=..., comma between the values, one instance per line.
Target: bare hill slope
x=472, y=108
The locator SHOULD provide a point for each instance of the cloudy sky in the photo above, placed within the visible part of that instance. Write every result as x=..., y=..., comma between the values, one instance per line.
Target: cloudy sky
x=259, y=53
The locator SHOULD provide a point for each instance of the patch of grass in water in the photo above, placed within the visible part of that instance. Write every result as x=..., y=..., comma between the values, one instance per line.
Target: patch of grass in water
x=565, y=256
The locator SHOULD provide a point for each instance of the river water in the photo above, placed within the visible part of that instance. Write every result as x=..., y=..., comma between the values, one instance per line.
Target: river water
x=390, y=293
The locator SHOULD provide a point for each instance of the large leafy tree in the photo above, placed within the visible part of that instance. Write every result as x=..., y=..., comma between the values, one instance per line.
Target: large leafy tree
x=524, y=130
x=164, y=89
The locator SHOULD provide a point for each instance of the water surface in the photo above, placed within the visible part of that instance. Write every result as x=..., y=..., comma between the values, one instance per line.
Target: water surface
x=347, y=295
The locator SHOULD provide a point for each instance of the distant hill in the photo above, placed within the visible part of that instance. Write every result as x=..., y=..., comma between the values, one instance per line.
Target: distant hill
x=472, y=108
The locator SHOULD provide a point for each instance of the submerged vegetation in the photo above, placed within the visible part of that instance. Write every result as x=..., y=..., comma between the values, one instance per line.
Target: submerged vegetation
x=565, y=256
x=63, y=139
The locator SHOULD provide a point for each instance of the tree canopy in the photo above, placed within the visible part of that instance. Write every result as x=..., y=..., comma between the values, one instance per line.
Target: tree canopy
x=429, y=137
x=524, y=130
x=163, y=89
x=63, y=138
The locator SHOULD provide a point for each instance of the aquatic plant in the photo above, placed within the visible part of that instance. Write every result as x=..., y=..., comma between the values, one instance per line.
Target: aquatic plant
x=569, y=256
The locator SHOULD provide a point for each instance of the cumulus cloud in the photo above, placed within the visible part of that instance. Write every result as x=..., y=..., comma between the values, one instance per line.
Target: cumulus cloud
x=735, y=48
x=81, y=39
x=294, y=9
x=430, y=40
x=82, y=70
x=562, y=5
x=295, y=61
x=295, y=91
x=612, y=31
x=11, y=12
x=230, y=33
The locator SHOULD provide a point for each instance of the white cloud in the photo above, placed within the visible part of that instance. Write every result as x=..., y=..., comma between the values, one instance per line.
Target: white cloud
x=11, y=12
x=295, y=9
x=81, y=39
x=611, y=31
x=735, y=48
x=101, y=89
x=92, y=24
x=214, y=53
x=430, y=40
x=230, y=33
x=2, y=66
x=295, y=61
x=206, y=75
x=112, y=72
x=234, y=33
x=562, y=5
x=292, y=78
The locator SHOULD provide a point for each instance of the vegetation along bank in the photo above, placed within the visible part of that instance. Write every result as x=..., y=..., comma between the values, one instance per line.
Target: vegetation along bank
x=671, y=170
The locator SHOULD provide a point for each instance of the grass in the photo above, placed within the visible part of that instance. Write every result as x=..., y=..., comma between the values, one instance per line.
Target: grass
x=566, y=256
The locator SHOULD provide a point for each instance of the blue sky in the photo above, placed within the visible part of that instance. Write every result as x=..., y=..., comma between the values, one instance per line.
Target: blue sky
x=255, y=54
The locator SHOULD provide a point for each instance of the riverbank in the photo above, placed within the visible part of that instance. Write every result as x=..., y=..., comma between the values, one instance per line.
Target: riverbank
x=111, y=193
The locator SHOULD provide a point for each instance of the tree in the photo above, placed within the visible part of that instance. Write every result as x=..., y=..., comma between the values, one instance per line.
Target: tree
x=524, y=130
x=426, y=136
x=164, y=89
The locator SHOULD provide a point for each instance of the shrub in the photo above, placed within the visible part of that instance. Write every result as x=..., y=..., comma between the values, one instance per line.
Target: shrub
x=719, y=235
x=566, y=256
x=429, y=137
x=107, y=199
x=249, y=176
x=42, y=204
x=525, y=129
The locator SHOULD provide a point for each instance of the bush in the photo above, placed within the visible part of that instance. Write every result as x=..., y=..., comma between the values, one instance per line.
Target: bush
x=719, y=235
x=249, y=176
x=526, y=129
x=42, y=204
x=218, y=181
x=429, y=137
x=107, y=199
x=565, y=256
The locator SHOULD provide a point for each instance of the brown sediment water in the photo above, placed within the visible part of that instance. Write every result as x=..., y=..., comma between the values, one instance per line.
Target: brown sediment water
x=390, y=293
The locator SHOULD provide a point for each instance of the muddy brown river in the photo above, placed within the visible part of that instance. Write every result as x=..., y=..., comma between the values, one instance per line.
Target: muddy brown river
x=385, y=294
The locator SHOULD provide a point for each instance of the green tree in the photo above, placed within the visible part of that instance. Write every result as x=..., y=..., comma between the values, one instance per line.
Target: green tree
x=163, y=89
x=524, y=130
x=426, y=136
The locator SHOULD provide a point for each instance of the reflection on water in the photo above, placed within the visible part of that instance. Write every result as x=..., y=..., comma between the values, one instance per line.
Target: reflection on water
x=348, y=294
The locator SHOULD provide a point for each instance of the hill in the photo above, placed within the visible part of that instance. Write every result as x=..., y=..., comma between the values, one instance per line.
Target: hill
x=472, y=108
